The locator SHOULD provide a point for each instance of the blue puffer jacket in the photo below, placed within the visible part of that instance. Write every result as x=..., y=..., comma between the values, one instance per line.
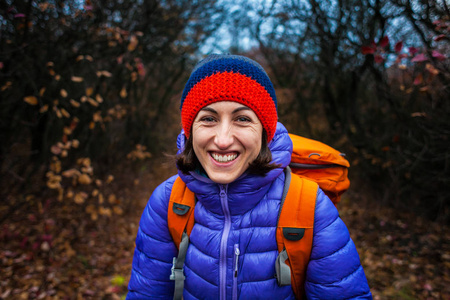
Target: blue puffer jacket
x=233, y=247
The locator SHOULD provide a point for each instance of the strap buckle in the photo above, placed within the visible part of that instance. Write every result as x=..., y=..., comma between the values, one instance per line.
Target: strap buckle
x=176, y=273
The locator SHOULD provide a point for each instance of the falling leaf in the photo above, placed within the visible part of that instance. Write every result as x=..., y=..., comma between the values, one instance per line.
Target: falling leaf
x=89, y=91
x=89, y=58
x=112, y=199
x=79, y=57
x=83, y=98
x=367, y=50
x=71, y=173
x=57, y=77
x=384, y=42
x=123, y=93
x=75, y=143
x=43, y=109
x=98, y=98
x=84, y=179
x=109, y=179
x=413, y=50
x=80, y=197
x=418, y=114
x=133, y=43
x=438, y=55
x=7, y=85
x=91, y=125
x=418, y=80
x=378, y=59
x=440, y=37
x=65, y=113
x=398, y=47
x=431, y=69
x=77, y=79
x=32, y=100
x=419, y=58
x=63, y=93
x=423, y=89
x=55, y=149
x=58, y=112
x=42, y=91
x=74, y=103
x=92, y=102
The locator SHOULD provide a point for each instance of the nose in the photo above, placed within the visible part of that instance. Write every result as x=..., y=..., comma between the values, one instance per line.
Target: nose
x=224, y=136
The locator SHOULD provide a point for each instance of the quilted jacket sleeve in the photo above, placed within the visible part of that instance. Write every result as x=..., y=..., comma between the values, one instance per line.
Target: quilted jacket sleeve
x=334, y=270
x=154, y=250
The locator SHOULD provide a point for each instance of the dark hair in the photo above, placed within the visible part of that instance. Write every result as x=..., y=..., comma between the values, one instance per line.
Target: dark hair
x=187, y=160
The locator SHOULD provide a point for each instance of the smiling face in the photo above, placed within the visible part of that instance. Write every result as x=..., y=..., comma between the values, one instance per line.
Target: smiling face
x=226, y=138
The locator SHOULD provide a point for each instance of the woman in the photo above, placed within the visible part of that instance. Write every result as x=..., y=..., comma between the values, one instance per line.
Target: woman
x=232, y=153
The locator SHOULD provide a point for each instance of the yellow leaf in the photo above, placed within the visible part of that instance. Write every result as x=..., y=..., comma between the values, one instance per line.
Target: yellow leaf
x=60, y=194
x=101, y=199
x=84, y=179
x=109, y=179
x=63, y=93
x=57, y=77
x=77, y=79
x=69, y=194
x=94, y=193
x=98, y=182
x=65, y=113
x=83, y=99
x=43, y=108
x=89, y=91
x=32, y=100
x=52, y=72
x=92, y=102
x=134, y=76
x=90, y=209
x=133, y=43
x=58, y=113
x=106, y=73
x=123, y=93
x=7, y=85
x=97, y=117
x=89, y=58
x=84, y=161
x=74, y=103
x=94, y=217
x=118, y=210
x=98, y=98
x=64, y=153
x=112, y=199
x=79, y=57
x=91, y=125
x=105, y=211
x=42, y=91
x=71, y=173
x=75, y=143
x=80, y=197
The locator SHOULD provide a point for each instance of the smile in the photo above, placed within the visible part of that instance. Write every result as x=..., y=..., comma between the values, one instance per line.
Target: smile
x=223, y=158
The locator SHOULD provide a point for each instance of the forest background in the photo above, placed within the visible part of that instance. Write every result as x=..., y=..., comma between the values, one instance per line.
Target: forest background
x=90, y=92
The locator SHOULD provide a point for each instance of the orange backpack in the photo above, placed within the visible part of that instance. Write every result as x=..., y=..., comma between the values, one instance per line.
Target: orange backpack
x=314, y=165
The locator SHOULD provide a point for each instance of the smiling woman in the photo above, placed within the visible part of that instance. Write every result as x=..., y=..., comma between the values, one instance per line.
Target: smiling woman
x=232, y=158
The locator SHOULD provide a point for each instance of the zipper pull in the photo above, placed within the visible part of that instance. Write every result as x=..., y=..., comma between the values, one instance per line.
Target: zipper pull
x=236, y=255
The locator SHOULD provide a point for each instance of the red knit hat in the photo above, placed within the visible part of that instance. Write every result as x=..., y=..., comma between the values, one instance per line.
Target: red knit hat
x=229, y=78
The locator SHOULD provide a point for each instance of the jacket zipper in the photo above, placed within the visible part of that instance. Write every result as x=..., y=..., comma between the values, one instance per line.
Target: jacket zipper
x=223, y=242
x=236, y=262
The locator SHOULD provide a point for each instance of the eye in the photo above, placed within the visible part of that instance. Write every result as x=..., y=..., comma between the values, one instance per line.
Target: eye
x=243, y=119
x=207, y=119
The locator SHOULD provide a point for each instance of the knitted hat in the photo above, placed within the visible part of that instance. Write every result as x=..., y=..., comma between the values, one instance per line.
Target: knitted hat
x=229, y=78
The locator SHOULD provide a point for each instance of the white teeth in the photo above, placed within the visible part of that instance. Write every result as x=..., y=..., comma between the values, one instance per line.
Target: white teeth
x=224, y=158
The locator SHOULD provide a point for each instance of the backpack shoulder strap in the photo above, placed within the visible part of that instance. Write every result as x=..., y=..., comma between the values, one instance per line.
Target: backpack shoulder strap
x=295, y=231
x=180, y=220
x=180, y=217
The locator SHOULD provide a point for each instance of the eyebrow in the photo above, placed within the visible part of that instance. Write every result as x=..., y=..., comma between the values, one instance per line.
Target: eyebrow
x=233, y=112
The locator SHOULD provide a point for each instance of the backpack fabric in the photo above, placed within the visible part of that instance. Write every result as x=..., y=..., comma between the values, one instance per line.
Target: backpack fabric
x=233, y=248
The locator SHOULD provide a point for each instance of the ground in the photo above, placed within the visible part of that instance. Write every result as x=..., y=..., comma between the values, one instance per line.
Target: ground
x=56, y=251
